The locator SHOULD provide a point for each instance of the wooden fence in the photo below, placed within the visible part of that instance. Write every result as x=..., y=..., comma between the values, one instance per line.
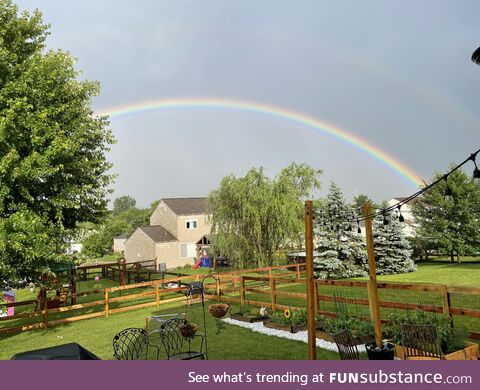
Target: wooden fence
x=103, y=307
x=234, y=287
x=270, y=283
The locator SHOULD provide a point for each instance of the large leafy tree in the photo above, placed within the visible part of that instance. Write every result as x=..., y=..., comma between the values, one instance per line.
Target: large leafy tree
x=254, y=216
x=340, y=251
x=392, y=249
x=123, y=203
x=53, y=169
x=97, y=239
x=451, y=226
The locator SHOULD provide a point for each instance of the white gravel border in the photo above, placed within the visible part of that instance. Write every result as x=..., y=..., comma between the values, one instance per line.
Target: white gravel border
x=258, y=327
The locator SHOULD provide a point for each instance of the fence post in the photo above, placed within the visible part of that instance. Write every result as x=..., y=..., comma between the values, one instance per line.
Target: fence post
x=218, y=290
x=317, y=299
x=298, y=271
x=273, y=292
x=106, y=302
x=242, y=291
x=157, y=296
x=446, y=303
x=45, y=312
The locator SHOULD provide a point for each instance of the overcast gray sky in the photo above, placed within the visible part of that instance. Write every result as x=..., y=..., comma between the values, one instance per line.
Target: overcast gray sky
x=397, y=74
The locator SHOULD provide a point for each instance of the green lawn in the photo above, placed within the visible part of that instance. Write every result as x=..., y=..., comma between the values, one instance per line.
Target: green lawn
x=96, y=335
x=238, y=343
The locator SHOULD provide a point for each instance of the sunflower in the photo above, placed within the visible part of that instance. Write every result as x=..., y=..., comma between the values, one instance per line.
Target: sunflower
x=287, y=313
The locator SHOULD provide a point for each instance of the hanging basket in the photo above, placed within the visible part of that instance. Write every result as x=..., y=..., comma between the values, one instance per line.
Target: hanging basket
x=188, y=330
x=218, y=310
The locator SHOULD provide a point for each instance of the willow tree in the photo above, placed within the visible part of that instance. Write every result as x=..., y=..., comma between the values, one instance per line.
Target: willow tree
x=254, y=216
x=53, y=169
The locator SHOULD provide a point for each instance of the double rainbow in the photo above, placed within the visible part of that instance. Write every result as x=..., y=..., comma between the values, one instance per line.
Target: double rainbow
x=314, y=124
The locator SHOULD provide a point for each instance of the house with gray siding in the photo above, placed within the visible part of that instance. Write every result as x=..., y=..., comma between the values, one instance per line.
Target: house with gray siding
x=176, y=226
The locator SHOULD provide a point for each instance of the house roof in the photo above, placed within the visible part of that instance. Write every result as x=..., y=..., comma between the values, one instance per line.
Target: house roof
x=187, y=206
x=157, y=233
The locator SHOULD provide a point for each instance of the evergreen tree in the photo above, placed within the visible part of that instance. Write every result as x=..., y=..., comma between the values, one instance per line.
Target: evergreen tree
x=451, y=227
x=392, y=249
x=340, y=251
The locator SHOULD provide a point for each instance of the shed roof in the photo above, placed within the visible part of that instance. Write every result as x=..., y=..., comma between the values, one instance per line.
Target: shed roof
x=157, y=233
x=187, y=206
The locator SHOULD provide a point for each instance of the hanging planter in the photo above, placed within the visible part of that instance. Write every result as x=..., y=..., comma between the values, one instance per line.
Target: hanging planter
x=219, y=310
x=188, y=330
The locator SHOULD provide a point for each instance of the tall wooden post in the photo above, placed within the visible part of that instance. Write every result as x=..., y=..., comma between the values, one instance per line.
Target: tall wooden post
x=372, y=282
x=106, y=308
x=273, y=292
x=312, y=351
x=242, y=291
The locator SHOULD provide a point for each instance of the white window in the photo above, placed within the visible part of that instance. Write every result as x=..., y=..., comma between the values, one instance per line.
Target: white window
x=187, y=250
x=192, y=223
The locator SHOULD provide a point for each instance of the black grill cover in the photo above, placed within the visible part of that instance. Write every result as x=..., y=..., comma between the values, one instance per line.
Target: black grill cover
x=71, y=351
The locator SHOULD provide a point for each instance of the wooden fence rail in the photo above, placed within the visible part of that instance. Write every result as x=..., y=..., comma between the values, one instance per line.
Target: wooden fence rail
x=238, y=287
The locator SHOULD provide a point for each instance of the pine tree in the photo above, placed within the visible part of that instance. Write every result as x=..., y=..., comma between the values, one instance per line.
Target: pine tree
x=340, y=251
x=392, y=249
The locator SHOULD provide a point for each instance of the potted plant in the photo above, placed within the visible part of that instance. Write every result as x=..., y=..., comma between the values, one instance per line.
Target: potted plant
x=246, y=313
x=385, y=352
x=292, y=321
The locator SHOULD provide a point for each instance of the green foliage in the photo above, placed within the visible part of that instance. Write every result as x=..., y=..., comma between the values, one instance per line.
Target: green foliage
x=298, y=317
x=98, y=240
x=123, y=203
x=392, y=249
x=340, y=250
x=53, y=169
x=451, y=339
x=450, y=227
x=359, y=201
x=341, y=322
x=254, y=216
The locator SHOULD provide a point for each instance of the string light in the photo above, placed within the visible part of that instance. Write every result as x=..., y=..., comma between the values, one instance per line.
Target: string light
x=476, y=171
x=448, y=192
x=400, y=216
x=385, y=220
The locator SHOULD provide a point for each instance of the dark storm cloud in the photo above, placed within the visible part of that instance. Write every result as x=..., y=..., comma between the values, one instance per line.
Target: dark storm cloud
x=397, y=74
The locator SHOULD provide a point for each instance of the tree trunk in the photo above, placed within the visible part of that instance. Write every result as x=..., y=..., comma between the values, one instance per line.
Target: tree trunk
x=452, y=258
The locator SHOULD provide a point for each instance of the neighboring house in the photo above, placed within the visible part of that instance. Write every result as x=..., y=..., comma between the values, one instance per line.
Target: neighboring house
x=119, y=243
x=177, y=226
x=406, y=210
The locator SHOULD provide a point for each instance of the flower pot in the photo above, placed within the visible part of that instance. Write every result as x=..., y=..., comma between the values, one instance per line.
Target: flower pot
x=218, y=310
x=387, y=352
x=188, y=330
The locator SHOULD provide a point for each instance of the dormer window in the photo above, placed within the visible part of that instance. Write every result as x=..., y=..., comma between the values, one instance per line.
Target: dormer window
x=191, y=223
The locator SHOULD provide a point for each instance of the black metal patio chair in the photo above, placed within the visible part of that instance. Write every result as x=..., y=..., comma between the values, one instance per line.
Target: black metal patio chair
x=421, y=341
x=132, y=344
x=346, y=346
x=178, y=346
